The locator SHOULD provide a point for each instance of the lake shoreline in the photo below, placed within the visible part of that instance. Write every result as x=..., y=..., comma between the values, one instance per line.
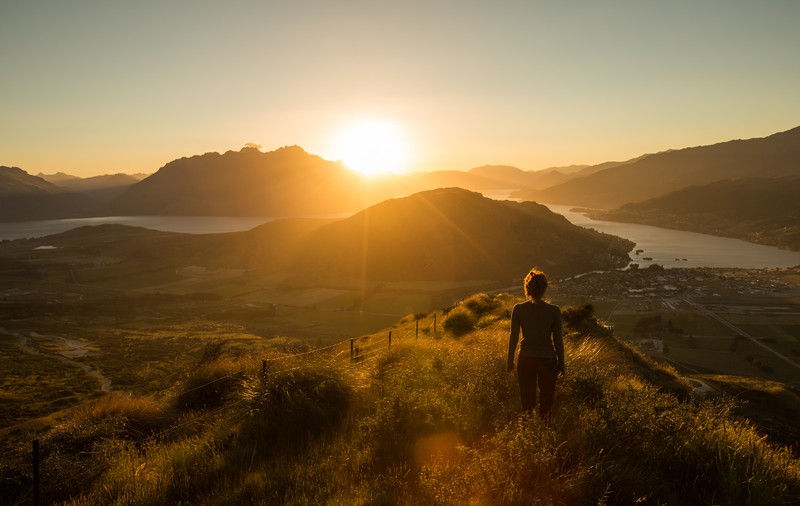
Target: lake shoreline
x=672, y=248
x=655, y=245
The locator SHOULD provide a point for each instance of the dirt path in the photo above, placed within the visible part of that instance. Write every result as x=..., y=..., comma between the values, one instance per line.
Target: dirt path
x=70, y=349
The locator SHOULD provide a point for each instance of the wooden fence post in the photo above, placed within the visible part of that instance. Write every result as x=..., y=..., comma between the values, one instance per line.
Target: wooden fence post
x=351, y=349
x=416, y=330
x=390, y=339
x=36, y=477
x=264, y=370
x=434, y=323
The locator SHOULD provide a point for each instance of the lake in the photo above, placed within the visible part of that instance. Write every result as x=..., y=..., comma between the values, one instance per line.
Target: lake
x=675, y=248
x=184, y=224
x=666, y=247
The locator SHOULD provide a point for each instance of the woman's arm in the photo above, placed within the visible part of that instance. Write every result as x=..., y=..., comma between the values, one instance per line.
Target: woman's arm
x=513, y=338
x=558, y=341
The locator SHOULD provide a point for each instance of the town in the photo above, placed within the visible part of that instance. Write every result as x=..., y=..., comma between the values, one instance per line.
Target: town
x=740, y=322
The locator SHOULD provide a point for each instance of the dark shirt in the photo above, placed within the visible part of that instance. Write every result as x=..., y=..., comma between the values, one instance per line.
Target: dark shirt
x=541, y=332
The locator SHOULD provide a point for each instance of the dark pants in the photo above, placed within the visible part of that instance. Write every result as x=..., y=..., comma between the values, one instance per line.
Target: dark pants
x=530, y=372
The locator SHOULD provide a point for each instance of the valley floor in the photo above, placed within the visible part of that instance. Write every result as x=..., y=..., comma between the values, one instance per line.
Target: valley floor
x=725, y=321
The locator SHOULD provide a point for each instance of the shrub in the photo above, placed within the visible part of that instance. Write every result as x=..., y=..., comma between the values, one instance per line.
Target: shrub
x=210, y=385
x=582, y=319
x=481, y=304
x=293, y=404
x=459, y=322
x=134, y=416
x=576, y=316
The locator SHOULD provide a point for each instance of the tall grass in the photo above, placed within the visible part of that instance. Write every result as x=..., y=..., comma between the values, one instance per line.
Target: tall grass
x=429, y=421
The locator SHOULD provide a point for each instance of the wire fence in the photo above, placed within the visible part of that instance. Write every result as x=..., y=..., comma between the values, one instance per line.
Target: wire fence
x=357, y=353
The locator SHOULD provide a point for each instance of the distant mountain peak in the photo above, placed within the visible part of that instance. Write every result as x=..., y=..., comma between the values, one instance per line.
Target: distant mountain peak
x=285, y=182
x=58, y=177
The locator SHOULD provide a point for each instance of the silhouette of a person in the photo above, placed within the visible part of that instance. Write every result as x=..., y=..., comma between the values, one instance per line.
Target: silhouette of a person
x=541, y=350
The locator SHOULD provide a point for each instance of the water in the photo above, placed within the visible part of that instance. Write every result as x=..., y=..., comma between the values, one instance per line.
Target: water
x=669, y=248
x=666, y=247
x=184, y=224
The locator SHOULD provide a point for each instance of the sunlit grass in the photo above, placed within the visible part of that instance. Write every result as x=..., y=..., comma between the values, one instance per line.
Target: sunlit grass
x=432, y=420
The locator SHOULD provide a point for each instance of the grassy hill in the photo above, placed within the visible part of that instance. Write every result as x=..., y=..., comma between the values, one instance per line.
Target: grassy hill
x=430, y=419
x=453, y=234
x=760, y=210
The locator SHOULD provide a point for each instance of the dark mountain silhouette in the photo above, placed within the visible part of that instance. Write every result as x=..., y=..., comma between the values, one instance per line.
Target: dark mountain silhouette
x=100, y=188
x=439, y=235
x=658, y=174
x=760, y=210
x=27, y=198
x=291, y=182
x=284, y=182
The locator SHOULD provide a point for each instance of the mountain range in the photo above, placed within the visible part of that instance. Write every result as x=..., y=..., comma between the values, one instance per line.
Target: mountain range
x=290, y=182
x=654, y=175
x=103, y=188
x=284, y=182
x=26, y=198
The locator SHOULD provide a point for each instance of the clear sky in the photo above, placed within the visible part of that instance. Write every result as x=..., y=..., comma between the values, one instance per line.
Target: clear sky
x=92, y=87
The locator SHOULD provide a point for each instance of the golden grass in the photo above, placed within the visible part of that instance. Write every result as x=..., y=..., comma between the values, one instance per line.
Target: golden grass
x=432, y=420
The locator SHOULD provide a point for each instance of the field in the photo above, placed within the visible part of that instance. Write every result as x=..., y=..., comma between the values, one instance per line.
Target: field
x=730, y=322
x=72, y=328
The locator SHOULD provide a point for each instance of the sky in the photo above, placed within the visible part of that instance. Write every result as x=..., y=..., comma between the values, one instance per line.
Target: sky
x=106, y=86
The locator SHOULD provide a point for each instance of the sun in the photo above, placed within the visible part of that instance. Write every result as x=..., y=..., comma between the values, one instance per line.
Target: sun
x=373, y=147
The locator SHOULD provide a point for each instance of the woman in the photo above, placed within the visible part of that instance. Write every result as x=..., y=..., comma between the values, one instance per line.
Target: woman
x=541, y=351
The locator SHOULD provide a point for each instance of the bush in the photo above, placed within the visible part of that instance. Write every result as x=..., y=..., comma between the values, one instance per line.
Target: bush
x=210, y=386
x=459, y=322
x=296, y=403
x=582, y=319
x=481, y=304
x=135, y=417
x=576, y=316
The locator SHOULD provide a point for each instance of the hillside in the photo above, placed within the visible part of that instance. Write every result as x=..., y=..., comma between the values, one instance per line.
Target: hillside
x=27, y=198
x=453, y=234
x=759, y=210
x=439, y=235
x=658, y=174
x=428, y=418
